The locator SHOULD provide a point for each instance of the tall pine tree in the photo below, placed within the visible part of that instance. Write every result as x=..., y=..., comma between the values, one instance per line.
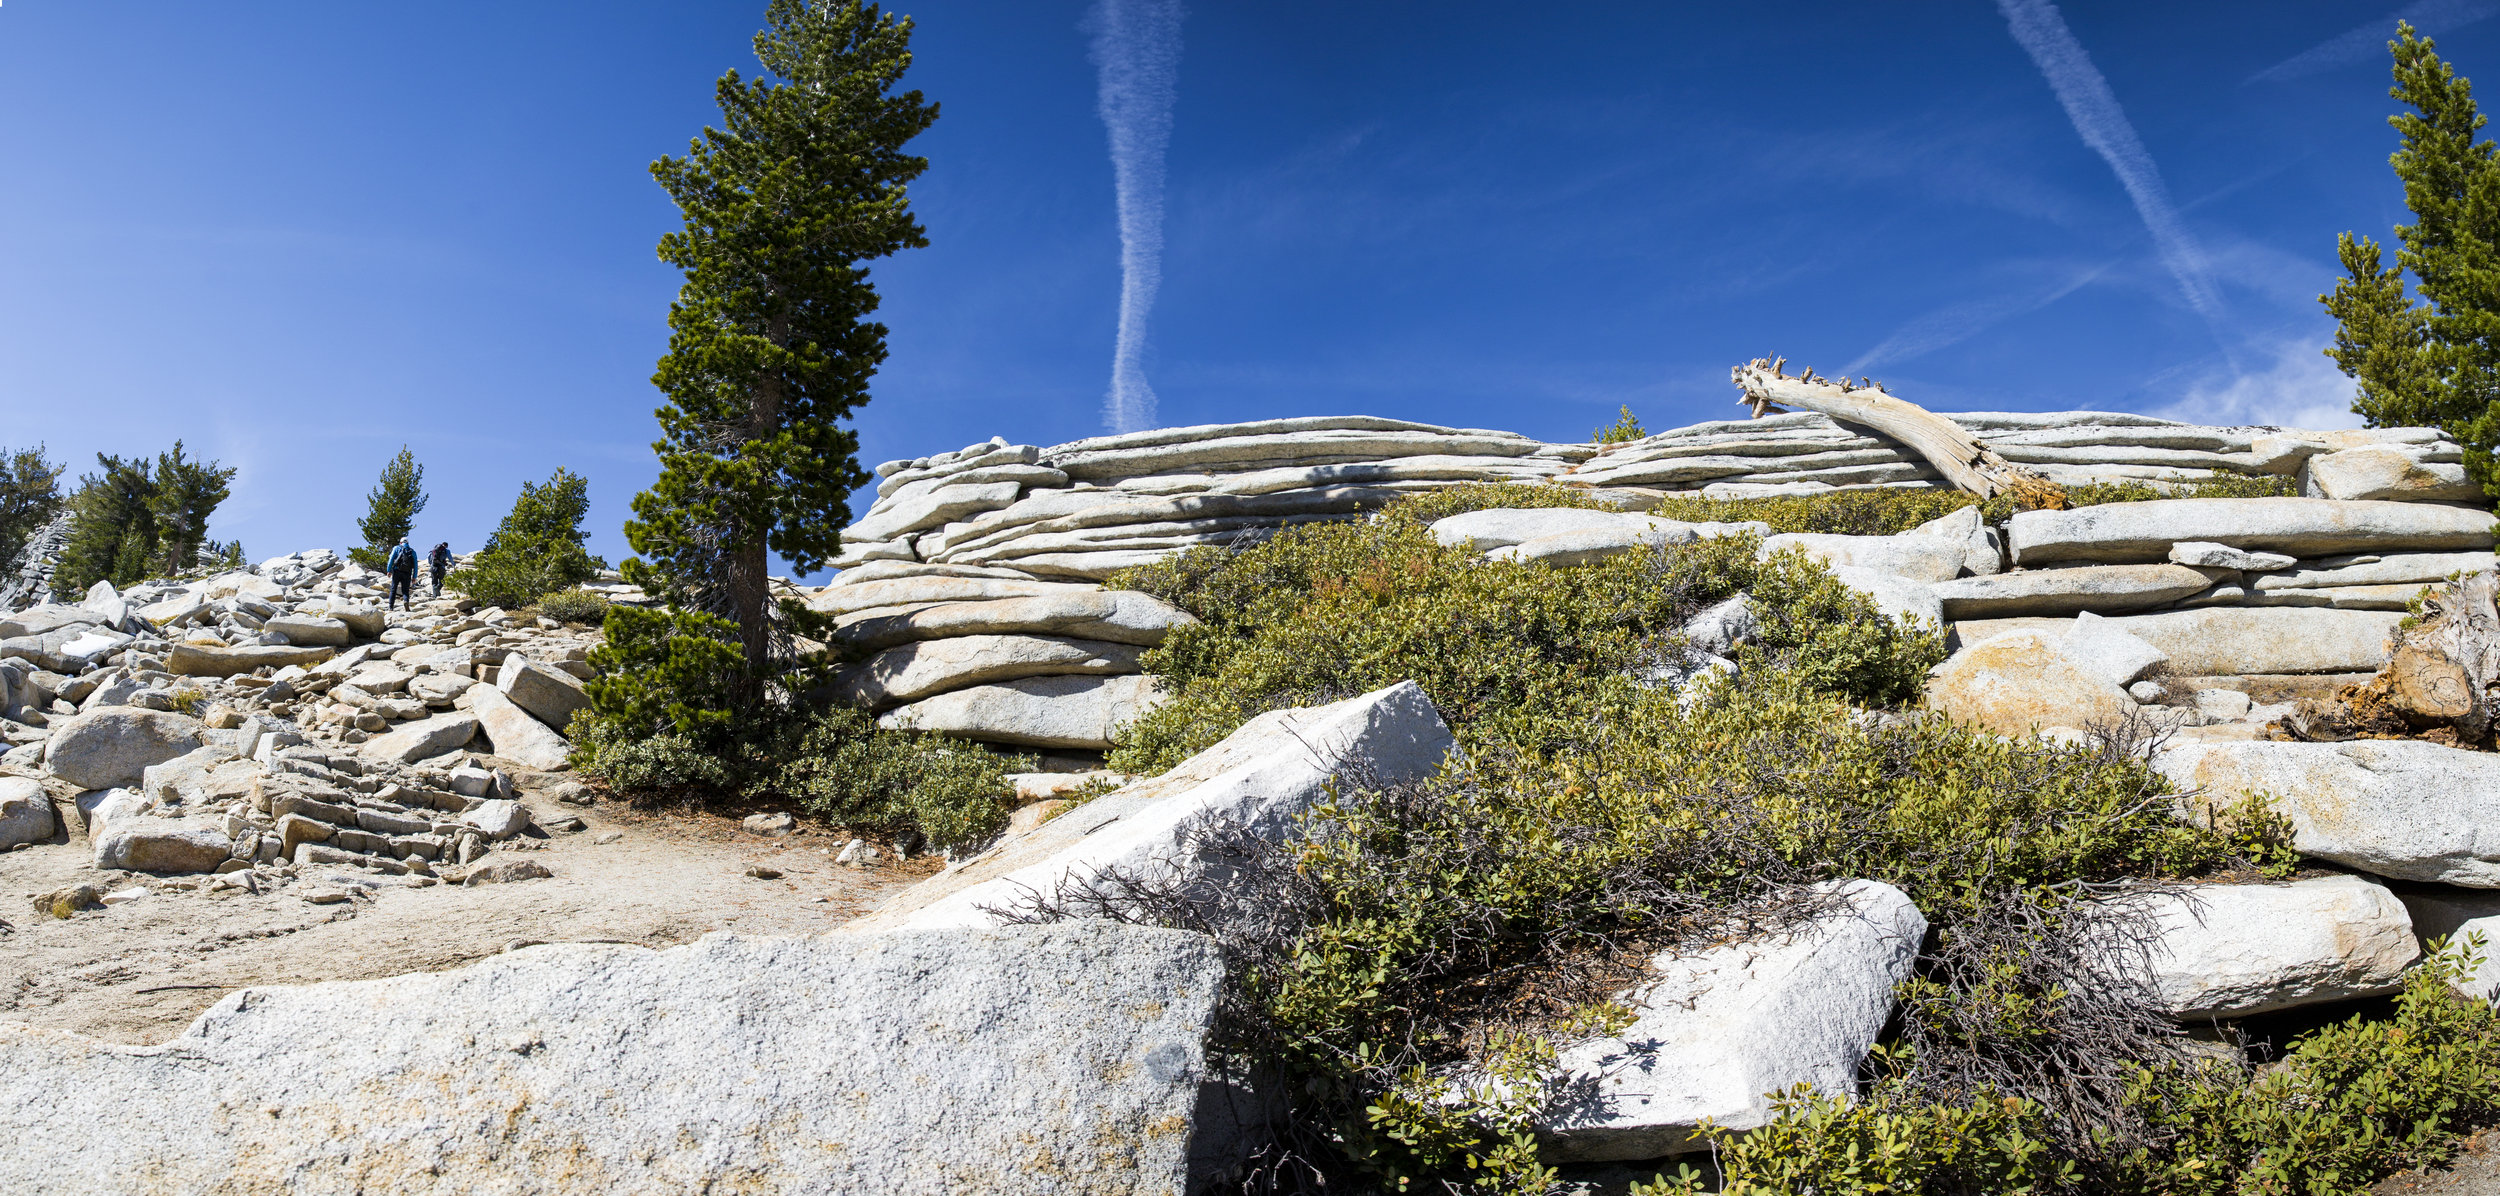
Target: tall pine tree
x=390, y=509
x=2436, y=362
x=139, y=519
x=770, y=342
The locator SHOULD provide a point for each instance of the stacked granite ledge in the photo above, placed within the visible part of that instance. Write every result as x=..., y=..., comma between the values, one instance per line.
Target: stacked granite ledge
x=974, y=575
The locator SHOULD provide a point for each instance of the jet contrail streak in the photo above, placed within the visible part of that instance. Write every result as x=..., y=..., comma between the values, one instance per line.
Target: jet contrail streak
x=1137, y=55
x=2363, y=42
x=2104, y=126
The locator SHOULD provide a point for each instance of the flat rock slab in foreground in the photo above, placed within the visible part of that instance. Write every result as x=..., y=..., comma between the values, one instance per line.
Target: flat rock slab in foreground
x=1719, y=1028
x=1260, y=778
x=2394, y=807
x=1061, y=1059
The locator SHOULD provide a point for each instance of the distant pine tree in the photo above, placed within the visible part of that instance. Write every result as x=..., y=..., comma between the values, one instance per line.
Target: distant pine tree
x=390, y=509
x=2437, y=362
x=139, y=519
x=30, y=495
x=187, y=493
x=537, y=549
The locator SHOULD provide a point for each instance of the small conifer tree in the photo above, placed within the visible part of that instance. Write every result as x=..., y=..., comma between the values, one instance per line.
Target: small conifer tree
x=538, y=549
x=390, y=509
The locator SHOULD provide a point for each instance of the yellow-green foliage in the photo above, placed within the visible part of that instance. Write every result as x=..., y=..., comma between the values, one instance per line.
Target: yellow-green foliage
x=1431, y=899
x=2349, y=1105
x=1524, y=654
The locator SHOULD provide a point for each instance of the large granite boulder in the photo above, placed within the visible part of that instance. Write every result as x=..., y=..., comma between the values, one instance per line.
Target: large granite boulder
x=2387, y=472
x=1920, y=558
x=1058, y=1059
x=1260, y=778
x=2394, y=807
x=201, y=660
x=515, y=735
x=1114, y=616
x=25, y=812
x=144, y=843
x=50, y=616
x=550, y=696
x=1040, y=712
x=113, y=746
x=1718, y=1029
x=2235, y=950
x=1487, y=530
x=2132, y=532
x=2026, y=681
x=310, y=631
x=2095, y=588
x=917, y=670
x=410, y=742
x=2226, y=640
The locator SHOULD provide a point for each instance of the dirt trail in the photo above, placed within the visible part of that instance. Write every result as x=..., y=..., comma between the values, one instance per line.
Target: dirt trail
x=140, y=971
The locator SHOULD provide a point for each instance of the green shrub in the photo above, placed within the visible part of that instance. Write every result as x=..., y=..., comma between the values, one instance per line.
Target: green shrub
x=2349, y=1105
x=1825, y=1145
x=575, y=605
x=1523, y=653
x=1425, y=929
x=1893, y=510
x=835, y=764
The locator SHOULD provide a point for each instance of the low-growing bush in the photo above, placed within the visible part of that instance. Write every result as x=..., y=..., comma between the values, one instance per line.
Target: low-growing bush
x=1521, y=653
x=575, y=605
x=1893, y=510
x=836, y=764
x=1420, y=935
x=2348, y=1106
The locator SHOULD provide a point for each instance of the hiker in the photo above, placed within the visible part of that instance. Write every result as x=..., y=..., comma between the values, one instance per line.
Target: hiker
x=402, y=566
x=440, y=559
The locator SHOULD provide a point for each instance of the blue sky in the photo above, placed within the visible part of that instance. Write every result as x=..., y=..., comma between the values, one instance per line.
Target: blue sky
x=299, y=234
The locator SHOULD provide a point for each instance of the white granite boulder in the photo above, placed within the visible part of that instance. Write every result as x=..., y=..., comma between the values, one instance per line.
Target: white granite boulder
x=2047, y=592
x=1718, y=1029
x=145, y=843
x=25, y=812
x=309, y=631
x=410, y=742
x=2130, y=532
x=2456, y=915
x=550, y=696
x=2026, y=681
x=1116, y=616
x=2386, y=472
x=513, y=732
x=1924, y=559
x=2235, y=950
x=1031, y=1059
x=114, y=745
x=912, y=671
x=2395, y=807
x=1261, y=777
x=1039, y=712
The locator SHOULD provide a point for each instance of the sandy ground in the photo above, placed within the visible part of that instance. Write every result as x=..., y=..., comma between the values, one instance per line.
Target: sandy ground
x=138, y=972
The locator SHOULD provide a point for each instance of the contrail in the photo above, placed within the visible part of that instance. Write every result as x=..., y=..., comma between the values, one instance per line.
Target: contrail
x=2103, y=125
x=1961, y=321
x=1137, y=57
x=2363, y=42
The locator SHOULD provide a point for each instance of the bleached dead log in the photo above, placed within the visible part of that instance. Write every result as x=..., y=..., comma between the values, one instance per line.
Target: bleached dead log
x=1953, y=452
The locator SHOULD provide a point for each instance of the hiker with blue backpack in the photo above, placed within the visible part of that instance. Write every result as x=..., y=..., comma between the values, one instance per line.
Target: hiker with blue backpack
x=402, y=566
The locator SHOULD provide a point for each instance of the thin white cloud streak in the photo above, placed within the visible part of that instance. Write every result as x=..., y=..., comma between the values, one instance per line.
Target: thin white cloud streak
x=2301, y=388
x=2369, y=40
x=1137, y=56
x=1959, y=322
x=2103, y=125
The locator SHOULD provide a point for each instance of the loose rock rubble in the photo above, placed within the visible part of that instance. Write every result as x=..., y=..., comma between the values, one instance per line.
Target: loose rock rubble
x=263, y=721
